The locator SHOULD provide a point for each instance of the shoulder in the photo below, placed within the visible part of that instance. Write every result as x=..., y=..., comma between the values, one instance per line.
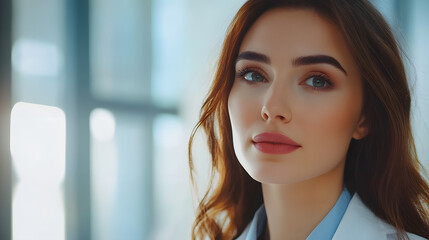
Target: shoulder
x=360, y=223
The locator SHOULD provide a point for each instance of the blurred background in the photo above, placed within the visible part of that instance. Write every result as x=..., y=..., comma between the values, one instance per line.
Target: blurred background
x=97, y=102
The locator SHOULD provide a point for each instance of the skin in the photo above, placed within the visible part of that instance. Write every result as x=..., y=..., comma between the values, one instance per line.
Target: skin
x=296, y=100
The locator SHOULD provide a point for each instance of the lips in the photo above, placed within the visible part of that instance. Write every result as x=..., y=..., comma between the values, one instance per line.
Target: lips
x=274, y=143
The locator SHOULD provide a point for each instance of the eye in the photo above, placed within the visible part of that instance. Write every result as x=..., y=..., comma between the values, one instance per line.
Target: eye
x=253, y=76
x=318, y=82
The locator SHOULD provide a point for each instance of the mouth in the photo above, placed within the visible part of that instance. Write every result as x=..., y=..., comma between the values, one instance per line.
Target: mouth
x=274, y=143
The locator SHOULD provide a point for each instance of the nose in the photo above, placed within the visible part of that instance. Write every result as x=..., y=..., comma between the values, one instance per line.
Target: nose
x=276, y=106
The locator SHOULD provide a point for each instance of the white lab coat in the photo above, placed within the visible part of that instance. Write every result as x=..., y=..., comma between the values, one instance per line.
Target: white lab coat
x=359, y=223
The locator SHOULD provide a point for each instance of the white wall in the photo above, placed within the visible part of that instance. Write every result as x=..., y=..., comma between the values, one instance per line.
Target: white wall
x=199, y=28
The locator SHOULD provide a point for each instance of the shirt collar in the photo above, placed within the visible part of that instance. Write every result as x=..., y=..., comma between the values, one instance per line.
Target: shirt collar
x=325, y=230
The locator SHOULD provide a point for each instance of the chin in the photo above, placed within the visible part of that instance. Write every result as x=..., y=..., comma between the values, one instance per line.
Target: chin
x=271, y=173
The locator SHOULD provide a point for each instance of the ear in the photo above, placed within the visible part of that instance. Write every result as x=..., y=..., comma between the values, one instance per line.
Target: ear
x=361, y=130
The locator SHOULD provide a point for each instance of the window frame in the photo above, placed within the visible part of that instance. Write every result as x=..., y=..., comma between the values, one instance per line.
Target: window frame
x=80, y=102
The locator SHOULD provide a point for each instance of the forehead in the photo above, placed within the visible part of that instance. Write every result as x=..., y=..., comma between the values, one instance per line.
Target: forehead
x=285, y=33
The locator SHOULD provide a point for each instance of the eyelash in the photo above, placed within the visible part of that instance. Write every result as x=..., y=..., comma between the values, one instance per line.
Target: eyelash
x=329, y=84
x=242, y=72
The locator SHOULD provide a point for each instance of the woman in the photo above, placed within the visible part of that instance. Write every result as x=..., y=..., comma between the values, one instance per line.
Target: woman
x=308, y=126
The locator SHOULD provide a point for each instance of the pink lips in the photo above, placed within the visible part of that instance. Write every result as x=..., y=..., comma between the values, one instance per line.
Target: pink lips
x=274, y=143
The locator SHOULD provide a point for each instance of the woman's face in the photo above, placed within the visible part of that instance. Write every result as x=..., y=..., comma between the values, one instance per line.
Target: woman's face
x=297, y=98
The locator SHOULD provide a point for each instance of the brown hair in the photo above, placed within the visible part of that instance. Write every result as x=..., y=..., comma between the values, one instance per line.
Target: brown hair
x=382, y=168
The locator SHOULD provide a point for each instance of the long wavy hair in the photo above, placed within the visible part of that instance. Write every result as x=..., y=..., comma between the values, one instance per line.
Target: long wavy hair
x=382, y=168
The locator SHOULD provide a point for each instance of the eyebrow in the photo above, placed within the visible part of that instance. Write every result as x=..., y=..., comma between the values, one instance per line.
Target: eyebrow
x=248, y=55
x=305, y=60
x=308, y=60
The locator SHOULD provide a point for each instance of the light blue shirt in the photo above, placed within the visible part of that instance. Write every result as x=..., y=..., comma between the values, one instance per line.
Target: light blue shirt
x=324, y=231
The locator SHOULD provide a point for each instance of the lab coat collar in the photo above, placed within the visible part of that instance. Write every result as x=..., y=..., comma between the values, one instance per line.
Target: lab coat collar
x=359, y=223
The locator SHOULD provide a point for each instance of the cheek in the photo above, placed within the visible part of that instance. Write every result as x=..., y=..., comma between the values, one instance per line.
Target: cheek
x=243, y=109
x=332, y=124
x=243, y=113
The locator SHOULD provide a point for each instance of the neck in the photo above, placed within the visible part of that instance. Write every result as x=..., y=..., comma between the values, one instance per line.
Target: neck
x=294, y=210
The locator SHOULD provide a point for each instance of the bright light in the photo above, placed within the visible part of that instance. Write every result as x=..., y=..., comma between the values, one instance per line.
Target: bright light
x=38, y=135
x=38, y=213
x=37, y=140
x=102, y=124
x=104, y=174
x=33, y=57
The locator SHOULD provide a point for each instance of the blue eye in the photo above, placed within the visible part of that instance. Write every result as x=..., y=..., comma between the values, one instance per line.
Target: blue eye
x=253, y=76
x=318, y=82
